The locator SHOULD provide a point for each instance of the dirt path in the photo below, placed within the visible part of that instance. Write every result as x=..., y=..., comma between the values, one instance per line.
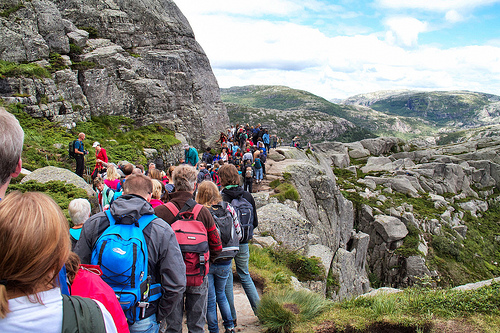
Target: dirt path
x=247, y=321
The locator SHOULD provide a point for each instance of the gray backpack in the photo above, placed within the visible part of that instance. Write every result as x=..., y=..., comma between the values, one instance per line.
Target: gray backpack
x=224, y=223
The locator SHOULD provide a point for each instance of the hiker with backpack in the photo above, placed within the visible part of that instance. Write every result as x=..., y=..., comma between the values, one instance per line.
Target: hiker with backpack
x=138, y=254
x=79, y=212
x=35, y=246
x=248, y=174
x=257, y=166
x=199, y=241
x=204, y=174
x=226, y=221
x=105, y=195
x=79, y=154
x=244, y=204
x=207, y=156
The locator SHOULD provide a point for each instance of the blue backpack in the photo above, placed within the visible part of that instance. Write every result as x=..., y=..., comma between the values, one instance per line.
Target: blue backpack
x=122, y=253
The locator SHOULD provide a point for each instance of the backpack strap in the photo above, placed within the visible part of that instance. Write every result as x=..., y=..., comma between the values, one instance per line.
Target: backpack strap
x=142, y=222
x=190, y=206
x=81, y=315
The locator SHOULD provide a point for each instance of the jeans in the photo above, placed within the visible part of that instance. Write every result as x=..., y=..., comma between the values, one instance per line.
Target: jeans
x=195, y=304
x=258, y=174
x=217, y=278
x=146, y=325
x=241, y=261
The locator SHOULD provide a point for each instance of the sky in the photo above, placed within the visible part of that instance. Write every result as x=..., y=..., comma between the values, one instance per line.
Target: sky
x=337, y=49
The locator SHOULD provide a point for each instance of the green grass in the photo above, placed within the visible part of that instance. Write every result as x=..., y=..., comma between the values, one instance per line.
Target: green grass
x=286, y=191
x=12, y=69
x=119, y=135
x=280, y=311
x=61, y=192
x=304, y=268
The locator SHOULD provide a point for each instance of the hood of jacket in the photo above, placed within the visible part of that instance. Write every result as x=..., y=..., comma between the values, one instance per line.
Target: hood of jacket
x=128, y=208
x=233, y=192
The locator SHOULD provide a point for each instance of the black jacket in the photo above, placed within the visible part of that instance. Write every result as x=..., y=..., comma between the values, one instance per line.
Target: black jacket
x=229, y=194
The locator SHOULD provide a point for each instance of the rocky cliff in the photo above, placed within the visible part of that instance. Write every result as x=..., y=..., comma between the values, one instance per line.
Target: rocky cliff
x=380, y=212
x=140, y=60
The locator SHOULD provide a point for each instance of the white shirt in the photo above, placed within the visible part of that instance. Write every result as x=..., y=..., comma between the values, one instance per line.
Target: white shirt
x=27, y=315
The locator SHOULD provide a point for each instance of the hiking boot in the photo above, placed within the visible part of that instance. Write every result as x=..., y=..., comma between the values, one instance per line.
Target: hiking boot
x=229, y=330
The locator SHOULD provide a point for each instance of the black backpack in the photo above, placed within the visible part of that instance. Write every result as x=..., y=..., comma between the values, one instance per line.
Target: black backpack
x=224, y=222
x=71, y=149
x=244, y=209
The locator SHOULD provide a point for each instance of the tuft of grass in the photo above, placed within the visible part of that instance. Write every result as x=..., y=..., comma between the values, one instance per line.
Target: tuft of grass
x=93, y=32
x=275, y=183
x=286, y=191
x=280, y=311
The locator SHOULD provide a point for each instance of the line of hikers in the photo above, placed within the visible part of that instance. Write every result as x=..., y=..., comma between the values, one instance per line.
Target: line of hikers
x=154, y=252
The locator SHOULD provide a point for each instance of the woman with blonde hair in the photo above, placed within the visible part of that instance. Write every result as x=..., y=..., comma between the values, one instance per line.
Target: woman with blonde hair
x=112, y=177
x=227, y=223
x=157, y=193
x=35, y=246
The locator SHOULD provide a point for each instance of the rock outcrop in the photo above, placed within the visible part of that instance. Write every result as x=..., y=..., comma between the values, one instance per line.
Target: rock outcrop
x=49, y=173
x=141, y=61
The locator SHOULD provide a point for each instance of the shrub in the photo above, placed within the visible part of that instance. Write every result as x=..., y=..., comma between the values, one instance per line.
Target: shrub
x=275, y=183
x=56, y=62
x=93, y=32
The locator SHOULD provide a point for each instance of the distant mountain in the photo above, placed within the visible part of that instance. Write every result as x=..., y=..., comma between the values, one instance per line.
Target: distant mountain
x=456, y=109
x=289, y=112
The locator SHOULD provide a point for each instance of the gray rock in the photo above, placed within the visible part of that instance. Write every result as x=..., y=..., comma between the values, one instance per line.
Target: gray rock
x=286, y=225
x=78, y=37
x=416, y=268
x=390, y=228
x=49, y=173
x=477, y=285
x=322, y=252
x=267, y=241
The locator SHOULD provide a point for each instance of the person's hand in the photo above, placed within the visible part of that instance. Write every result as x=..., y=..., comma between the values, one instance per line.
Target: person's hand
x=98, y=160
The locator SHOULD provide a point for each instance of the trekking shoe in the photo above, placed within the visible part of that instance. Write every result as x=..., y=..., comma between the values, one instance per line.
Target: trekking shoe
x=229, y=330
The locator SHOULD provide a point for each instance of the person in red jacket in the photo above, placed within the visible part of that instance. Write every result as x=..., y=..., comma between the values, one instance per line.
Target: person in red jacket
x=195, y=297
x=101, y=160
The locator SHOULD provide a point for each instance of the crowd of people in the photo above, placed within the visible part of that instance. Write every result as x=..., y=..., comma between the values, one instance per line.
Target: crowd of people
x=161, y=247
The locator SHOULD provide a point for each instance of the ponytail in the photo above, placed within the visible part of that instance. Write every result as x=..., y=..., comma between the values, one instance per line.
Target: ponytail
x=4, y=302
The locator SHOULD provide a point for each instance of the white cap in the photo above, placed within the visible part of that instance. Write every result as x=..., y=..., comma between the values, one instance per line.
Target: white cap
x=96, y=144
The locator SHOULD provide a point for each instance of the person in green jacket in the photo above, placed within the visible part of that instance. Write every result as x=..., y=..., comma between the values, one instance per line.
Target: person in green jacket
x=105, y=195
x=191, y=155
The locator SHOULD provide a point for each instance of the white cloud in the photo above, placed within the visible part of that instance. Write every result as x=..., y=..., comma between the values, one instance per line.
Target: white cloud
x=244, y=50
x=404, y=31
x=435, y=5
x=453, y=16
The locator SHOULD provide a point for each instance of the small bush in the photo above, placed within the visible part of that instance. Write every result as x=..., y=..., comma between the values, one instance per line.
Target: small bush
x=56, y=62
x=83, y=65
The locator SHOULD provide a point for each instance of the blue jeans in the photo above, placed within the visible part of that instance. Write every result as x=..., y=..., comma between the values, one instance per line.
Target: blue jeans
x=217, y=278
x=147, y=325
x=258, y=174
x=241, y=261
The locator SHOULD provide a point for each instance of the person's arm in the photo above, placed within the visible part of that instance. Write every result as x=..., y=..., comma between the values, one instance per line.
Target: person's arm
x=214, y=242
x=172, y=272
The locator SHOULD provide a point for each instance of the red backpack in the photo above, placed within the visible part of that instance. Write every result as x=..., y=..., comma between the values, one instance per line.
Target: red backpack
x=193, y=240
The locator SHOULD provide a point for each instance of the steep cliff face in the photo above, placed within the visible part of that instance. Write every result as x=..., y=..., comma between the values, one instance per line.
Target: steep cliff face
x=141, y=61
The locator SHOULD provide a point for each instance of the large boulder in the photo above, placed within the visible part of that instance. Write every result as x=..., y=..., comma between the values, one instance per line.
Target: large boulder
x=390, y=228
x=49, y=173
